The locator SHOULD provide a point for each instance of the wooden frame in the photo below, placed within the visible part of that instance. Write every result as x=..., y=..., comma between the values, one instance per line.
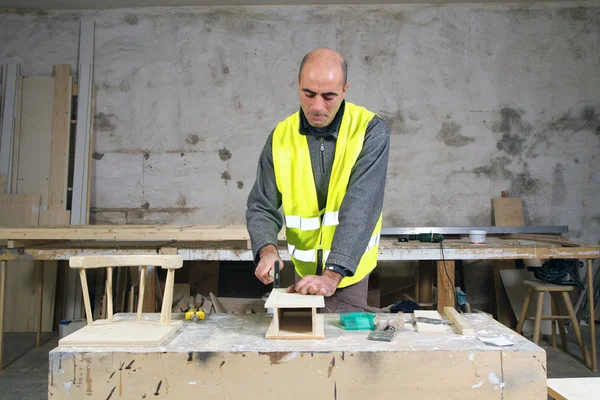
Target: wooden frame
x=295, y=316
x=163, y=328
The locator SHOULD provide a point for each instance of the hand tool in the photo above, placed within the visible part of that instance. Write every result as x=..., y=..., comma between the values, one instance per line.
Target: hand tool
x=194, y=315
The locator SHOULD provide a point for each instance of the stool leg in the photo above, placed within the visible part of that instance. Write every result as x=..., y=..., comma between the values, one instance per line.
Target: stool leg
x=561, y=324
x=538, y=318
x=524, y=310
x=569, y=307
x=553, y=322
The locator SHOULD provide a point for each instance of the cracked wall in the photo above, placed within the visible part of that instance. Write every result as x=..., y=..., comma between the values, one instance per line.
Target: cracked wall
x=480, y=99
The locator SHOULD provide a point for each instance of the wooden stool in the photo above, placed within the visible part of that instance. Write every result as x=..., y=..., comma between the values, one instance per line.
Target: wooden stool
x=554, y=291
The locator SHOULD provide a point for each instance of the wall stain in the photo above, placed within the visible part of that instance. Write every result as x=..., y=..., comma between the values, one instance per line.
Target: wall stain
x=225, y=176
x=132, y=19
x=146, y=155
x=559, y=187
x=181, y=201
x=240, y=184
x=524, y=184
x=124, y=85
x=237, y=103
x=449, y=134
x=496, y=169
x=588, y=120
x=145, y=206
x=396, y=122
x=276, y=357
x=225, y=69
x=513, y=130
x=224, y=154
x=193, y=139
x=97, y=156
x=103, y=123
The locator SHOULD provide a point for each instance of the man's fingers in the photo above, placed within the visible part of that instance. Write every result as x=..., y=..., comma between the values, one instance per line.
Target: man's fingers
x=291, y=289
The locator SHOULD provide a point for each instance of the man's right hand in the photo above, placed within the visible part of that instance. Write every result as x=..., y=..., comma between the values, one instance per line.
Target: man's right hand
x=268, y=256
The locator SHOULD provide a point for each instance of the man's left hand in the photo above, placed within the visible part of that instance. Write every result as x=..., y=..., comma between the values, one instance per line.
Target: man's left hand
x=325, y=284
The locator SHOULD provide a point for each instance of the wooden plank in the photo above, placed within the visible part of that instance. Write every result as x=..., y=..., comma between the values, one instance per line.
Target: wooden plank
x=10, y=79
x=55, y=217
x=121, y=333
x=16, y=140
x=544, y=239
x=2, y=183
x=203, y=277
x=445, y=281
x=61, y=127
x=163, y=261
x=280, y=299
x=507, y=211
x=35, y=136
x=3, y=265
x=460, y=323
x=149, y=297
x=431, y=328
x=424, y=282
x=215, y=303
x=573, y=388
x=19, y=209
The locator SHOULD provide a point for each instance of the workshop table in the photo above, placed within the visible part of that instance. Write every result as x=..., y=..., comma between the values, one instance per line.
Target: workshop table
x=227, y=356
x=199, y=243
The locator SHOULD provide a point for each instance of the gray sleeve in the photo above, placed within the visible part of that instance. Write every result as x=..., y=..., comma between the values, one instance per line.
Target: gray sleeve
x=263, y=218
x=363, y=201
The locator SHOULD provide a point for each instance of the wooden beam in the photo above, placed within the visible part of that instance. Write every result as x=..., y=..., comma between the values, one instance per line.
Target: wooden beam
x=163, y=261
x=61, y=127
x=459, y=321
x=445, y=289
x=10, y=77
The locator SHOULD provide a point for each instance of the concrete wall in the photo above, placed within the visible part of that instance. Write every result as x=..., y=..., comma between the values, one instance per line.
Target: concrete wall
x=480, y=99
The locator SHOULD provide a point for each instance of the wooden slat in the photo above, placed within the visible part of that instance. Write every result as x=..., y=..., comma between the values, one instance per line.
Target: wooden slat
x=506, y=212
x=61, y=124
x=55, y=217
x=459, y=321
x=35, y=137
x=2, y=183
x=164, y=261
x=445, y=289
x=19, y=209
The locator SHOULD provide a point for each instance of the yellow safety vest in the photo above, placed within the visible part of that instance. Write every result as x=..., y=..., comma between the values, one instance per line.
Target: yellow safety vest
x=309, y=229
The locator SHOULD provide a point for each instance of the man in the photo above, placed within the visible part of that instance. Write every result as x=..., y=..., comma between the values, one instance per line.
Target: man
x=326, y=165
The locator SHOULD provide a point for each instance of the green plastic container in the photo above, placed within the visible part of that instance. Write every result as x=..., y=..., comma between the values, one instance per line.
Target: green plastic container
x=358, y=321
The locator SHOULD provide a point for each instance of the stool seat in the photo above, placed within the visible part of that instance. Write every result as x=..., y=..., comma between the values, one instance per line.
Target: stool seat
x=548, y=287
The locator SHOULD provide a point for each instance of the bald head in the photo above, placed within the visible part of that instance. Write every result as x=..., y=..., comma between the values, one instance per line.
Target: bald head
x=322, y=85
x=325, y=57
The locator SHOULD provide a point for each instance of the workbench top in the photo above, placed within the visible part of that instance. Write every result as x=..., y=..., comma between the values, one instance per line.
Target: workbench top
x=246, y=333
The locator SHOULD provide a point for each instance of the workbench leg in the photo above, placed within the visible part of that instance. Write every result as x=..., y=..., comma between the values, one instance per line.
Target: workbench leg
x=2, y=285
x=592, y=311
x=39, y=267
x=445, y=289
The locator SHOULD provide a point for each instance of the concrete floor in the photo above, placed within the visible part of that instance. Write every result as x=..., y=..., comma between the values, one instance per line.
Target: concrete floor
x=25, y=376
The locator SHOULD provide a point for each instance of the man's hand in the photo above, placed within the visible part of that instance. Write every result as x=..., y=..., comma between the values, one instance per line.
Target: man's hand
x=268, y=256
x=325, y=284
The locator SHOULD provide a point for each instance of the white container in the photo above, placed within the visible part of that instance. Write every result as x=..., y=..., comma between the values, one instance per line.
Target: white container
x=477, y=237
x=67, y=327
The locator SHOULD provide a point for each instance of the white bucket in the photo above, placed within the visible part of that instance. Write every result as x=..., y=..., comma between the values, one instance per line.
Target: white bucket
x=477, y=237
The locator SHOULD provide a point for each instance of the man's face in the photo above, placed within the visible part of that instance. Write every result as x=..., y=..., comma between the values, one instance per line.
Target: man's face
x=321, y=89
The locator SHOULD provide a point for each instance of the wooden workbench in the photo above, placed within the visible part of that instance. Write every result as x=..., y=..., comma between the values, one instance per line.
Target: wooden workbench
x=227, y=357
x=230, y=243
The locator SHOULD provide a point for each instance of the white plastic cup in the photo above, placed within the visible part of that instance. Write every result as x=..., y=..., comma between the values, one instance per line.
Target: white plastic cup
x=477, y=237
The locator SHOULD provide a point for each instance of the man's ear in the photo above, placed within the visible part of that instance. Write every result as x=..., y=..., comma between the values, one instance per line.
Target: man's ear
x=346, y=88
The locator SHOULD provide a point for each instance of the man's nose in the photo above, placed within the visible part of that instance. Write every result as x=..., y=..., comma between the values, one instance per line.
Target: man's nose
x=318, y=104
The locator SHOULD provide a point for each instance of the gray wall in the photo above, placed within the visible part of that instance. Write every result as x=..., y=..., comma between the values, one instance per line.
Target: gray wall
x=480, y=99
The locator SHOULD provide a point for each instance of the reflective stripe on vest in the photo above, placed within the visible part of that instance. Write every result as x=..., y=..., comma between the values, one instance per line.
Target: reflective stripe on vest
x=308, y=228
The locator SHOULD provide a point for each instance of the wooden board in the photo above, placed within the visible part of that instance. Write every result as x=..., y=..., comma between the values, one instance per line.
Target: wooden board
x=121, y=333
x=164, y=261
x=35, y=136
x=217, y=233
x=55, y=217
x=2, y=183
x=203, y=277
x=574, y=388
x=298, y=327
x=460, y=323
x=19, y=209
x=431, y=328
x=507, y=211
x=445, y=280
x=280, y=299
x=61, y=128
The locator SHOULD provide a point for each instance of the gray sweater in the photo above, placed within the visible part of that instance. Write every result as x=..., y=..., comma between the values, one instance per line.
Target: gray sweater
x=362, y=203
